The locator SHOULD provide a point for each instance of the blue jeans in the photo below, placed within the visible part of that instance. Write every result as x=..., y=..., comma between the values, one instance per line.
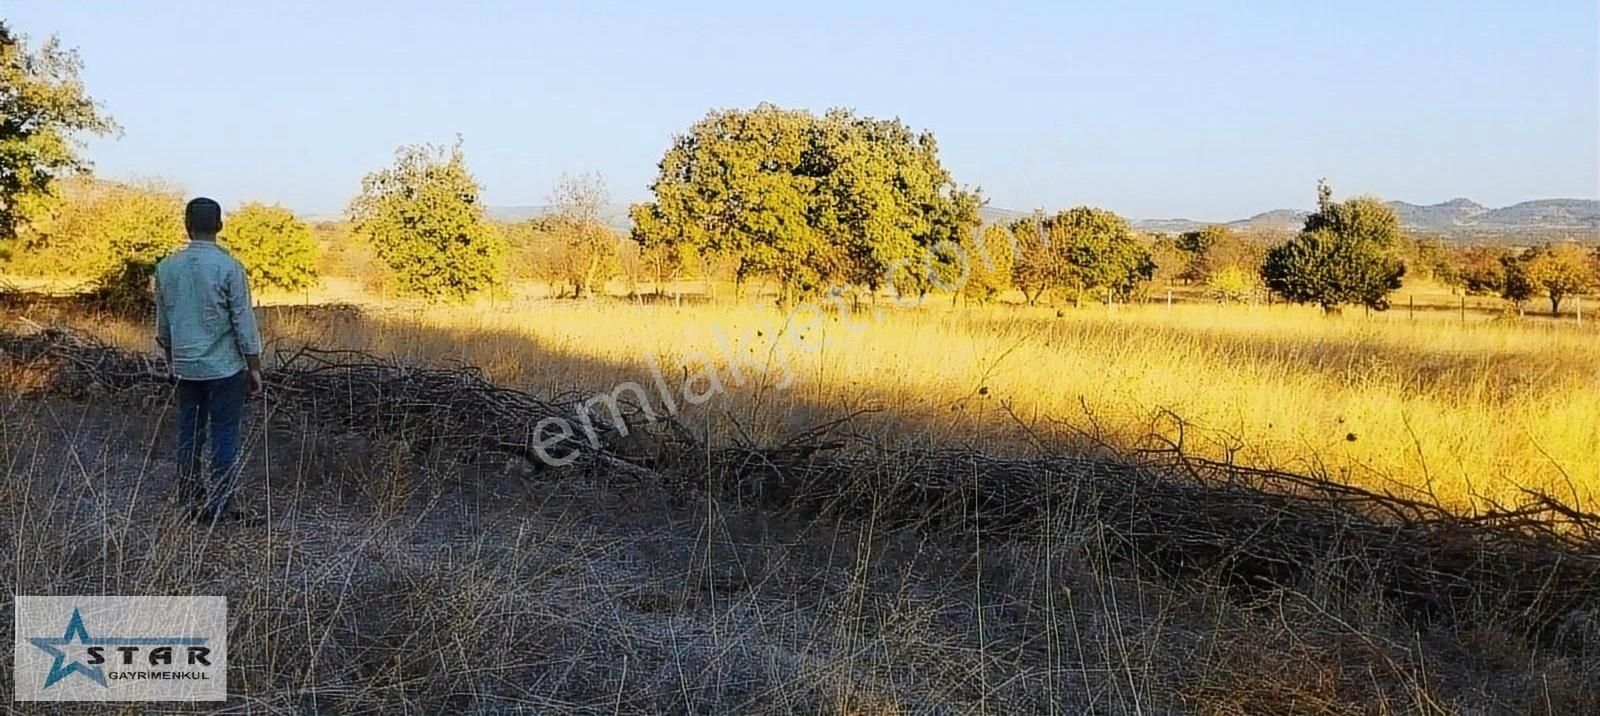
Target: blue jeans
x=219, y=405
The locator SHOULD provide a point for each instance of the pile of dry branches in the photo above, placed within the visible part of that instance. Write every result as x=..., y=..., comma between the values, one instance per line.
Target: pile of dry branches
x=452, y=408
x=1536, y=565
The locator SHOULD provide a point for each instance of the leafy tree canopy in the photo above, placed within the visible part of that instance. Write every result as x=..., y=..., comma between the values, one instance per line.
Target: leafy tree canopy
x=92, y=228
x=1483, y=269
x=424, y=222
x=809, y=200
x=1344, y=255
x=43, y=108
x=1198, y=241
x=1080, y=251
x=1556, y=270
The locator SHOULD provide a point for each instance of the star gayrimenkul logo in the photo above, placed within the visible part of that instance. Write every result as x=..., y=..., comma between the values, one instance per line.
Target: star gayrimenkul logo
x=76, y=632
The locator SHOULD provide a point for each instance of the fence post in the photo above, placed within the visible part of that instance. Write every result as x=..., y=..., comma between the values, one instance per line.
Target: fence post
x=1577, y=302
x=1411, y=307
x=1463, y=309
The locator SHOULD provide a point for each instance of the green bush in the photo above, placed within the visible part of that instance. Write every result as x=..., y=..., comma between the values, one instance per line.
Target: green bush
x=276, y=248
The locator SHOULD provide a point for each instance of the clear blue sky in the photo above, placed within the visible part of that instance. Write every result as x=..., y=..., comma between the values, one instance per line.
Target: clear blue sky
x=1209, y=110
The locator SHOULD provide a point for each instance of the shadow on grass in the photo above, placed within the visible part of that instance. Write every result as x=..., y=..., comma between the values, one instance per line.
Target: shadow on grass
x=386, y=575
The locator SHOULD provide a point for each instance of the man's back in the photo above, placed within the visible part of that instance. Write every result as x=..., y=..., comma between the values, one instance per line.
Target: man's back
x=203, y=312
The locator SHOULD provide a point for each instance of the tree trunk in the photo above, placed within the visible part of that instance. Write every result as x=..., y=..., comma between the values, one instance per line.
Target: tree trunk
x=588, y=276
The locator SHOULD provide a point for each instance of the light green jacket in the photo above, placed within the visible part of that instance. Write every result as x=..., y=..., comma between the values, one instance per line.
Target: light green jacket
x=203, y=312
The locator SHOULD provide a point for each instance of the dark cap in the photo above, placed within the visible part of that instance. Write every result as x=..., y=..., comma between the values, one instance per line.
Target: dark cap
x=203, y=216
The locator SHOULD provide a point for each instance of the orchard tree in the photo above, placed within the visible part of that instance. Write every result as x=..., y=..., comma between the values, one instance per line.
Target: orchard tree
x=666, y=255
x=1556, y=270
x=1198, y=241
x=276, y=248
x=1515, y=284
x=1429, y=258
x=1102, y=253
x=1035, y=269
x=1345, y=254
x=809, y=201
x=591, y=252
x=423, y=220
x=990, y=256
x=1172, y=262
x=1080, y=251
x=741, y=183
x=943, y=258
x=1198, y=245
x=1235, y=250
x=43, y=111
x=1483, y=269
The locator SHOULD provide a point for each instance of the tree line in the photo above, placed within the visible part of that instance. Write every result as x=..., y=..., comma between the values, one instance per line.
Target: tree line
x=808, y=203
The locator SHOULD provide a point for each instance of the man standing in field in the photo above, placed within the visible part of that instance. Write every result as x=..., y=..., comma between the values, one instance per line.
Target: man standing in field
x=206, y=326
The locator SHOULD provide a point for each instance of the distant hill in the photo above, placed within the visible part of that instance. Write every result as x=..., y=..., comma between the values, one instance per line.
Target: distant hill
x=1546, y=213
x=1456, y=216
x=1453, y=213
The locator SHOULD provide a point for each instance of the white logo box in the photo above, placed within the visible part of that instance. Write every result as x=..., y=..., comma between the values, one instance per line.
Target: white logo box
x=99, y=648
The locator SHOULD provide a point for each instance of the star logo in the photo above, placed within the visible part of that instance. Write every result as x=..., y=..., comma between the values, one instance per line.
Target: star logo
x=65, y=665
x=58, y=672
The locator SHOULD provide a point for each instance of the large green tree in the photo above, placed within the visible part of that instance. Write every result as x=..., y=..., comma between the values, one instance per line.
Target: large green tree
x=43, y=110
x=809, y=200
x=424, y=222
x=275, y=247
x=1345, y=254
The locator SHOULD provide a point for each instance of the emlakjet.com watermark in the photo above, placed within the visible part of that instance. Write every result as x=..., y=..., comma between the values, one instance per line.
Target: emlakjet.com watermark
x=121, y=649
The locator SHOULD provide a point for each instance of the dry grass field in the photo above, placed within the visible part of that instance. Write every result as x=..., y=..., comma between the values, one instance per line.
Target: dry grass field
x=393, y=578
x=1412, y=401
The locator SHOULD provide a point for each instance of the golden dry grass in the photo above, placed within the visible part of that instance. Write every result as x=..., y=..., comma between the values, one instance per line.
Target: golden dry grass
x=625, y=599
x=1398, y=400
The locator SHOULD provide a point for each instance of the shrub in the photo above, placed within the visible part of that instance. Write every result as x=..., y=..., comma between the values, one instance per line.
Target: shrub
x=103, y=231
x=1232, y=285
x=276, y=248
